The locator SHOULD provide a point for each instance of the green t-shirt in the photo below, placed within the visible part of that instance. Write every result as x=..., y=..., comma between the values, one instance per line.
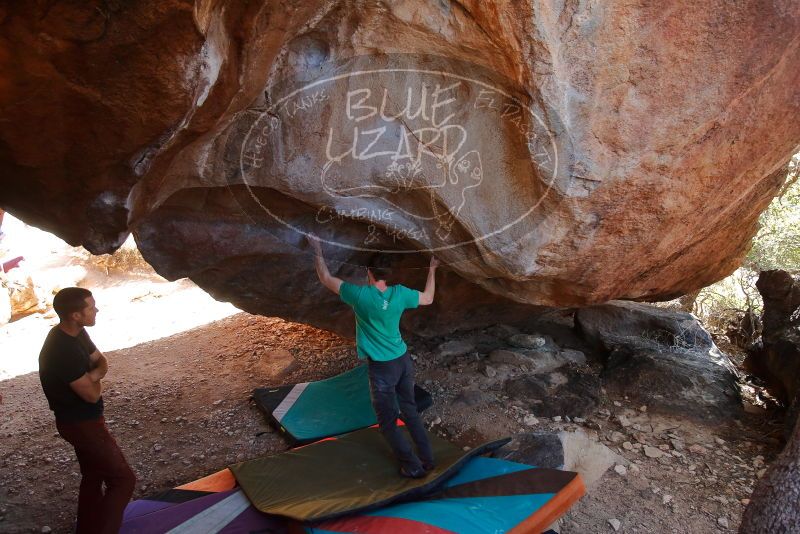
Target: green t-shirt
x=378, y=318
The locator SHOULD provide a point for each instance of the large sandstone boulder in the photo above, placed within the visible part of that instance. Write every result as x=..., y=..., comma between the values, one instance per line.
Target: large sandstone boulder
x=550, y=154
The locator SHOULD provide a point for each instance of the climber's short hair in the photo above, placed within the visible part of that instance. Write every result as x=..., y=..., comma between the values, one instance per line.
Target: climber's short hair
x=380, y=265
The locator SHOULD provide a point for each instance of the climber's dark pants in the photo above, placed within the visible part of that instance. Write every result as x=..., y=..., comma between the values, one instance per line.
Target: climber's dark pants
x=392, y=387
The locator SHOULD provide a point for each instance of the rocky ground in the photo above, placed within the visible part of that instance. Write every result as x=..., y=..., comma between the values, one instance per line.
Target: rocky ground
x=180, y=408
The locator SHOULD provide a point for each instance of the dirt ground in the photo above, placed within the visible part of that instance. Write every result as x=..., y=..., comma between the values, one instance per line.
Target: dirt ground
x=180, y=408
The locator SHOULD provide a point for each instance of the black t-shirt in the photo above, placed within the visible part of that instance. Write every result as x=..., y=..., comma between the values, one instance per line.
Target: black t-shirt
x=64, y=359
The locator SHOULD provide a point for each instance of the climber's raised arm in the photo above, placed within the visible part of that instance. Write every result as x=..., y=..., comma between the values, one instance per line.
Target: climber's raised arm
x=328, y=280
x=426, y=297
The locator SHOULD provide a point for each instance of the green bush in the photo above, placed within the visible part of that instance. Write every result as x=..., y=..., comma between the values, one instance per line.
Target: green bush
x=777, y=244
x=725, y=304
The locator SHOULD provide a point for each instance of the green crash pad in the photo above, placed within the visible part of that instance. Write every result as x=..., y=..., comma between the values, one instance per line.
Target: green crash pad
x=310, y=411
x=352, y=473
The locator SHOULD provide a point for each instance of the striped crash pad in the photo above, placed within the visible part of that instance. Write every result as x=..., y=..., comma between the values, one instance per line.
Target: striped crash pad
x=212, y=504
x=226, y=511
x=484, y=495
x=310, y=411
x=487, y=495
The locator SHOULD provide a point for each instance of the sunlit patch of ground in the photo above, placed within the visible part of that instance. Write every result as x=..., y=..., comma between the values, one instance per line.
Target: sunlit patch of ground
x=135, y=307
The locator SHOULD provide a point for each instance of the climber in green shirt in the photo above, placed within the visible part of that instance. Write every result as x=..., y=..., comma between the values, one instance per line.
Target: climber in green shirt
x=378, y=308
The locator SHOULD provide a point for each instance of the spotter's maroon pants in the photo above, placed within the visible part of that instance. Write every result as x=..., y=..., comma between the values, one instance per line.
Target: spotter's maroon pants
x=107, y=481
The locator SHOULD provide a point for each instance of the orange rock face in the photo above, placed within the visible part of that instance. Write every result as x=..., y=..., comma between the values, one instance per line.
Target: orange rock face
x=548, y=154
